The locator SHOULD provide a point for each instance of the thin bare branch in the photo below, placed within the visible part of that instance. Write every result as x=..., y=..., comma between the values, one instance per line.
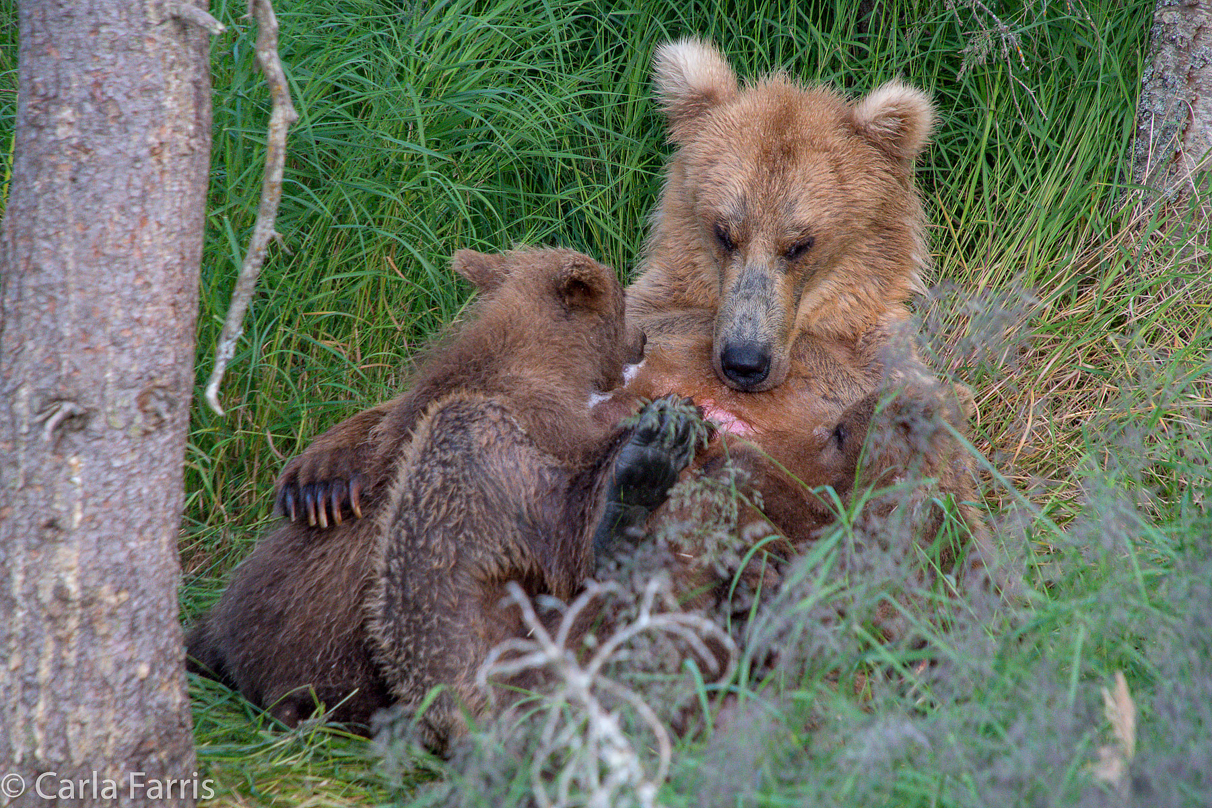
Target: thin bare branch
x=585, y=750
x=198, y=16
x=280, y=119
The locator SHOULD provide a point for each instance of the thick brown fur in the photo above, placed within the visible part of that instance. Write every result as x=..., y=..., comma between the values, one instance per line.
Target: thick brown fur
x=893, y=455
x=787, y=243
x=475, y=504
x=288, y=631
x=511, y=347
x=500, y=466
x=739, y=522
x=787, y=212
x=916, y=456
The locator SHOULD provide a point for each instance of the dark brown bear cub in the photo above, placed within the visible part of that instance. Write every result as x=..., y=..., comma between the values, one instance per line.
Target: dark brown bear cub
x=503, y=459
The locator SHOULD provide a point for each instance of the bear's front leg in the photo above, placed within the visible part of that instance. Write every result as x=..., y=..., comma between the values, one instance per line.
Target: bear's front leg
x=336, y=475
x=646, y=464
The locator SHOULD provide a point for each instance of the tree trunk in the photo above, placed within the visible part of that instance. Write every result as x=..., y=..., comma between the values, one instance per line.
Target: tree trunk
x=1174, y=116
x=99, y=259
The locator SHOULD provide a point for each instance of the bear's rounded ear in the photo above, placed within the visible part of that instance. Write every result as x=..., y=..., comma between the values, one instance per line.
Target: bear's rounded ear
x=582, y=283
x=691, y=77
x=896, y=119
x=486, y=271
x=856, y=419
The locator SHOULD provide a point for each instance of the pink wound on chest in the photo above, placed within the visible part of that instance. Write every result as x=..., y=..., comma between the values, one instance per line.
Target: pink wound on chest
x=725, y=420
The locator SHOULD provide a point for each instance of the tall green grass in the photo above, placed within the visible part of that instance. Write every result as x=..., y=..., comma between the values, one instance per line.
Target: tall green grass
x=426, y=128
x=1077, y=310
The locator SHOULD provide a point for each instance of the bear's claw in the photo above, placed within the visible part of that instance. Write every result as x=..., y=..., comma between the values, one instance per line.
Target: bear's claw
x=662, y=443
x=320, y=502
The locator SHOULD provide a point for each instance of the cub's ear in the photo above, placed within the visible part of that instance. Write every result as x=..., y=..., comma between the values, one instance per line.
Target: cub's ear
x=486, y=271
x=856, y=420
x=896, y=119
x=691, y=77
x=583, y=283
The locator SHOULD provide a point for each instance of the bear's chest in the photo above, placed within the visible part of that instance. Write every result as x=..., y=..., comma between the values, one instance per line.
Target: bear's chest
x=825, y=378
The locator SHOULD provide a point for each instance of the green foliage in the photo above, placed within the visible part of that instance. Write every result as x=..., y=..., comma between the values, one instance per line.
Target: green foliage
x=1078, y=313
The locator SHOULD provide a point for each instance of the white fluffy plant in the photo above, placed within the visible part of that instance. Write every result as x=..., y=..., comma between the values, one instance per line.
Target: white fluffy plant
x=586, y=752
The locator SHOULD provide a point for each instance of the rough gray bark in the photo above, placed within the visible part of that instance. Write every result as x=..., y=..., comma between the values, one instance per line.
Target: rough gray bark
x=99, y=258
x=1174, y=115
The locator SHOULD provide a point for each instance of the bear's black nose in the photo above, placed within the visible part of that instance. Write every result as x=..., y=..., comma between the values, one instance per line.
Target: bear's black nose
x=746, y=364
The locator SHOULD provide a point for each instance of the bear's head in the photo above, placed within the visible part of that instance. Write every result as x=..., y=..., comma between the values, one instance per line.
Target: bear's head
x=555, y=312
x=787, y=209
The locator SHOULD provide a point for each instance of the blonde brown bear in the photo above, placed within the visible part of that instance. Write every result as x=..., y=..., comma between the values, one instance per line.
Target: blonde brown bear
x=787, y=242
x=786, y=245
x=788, y=228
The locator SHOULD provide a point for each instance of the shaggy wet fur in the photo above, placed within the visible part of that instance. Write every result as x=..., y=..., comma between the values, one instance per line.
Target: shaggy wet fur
x=501, y=461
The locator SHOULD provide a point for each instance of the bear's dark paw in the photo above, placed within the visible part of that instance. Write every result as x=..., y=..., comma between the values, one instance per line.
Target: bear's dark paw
x=662, y=443
x=321, y=490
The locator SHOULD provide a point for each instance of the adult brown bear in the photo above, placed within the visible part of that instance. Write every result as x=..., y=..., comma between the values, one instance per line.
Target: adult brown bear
x=788, y=238
x=785, y=247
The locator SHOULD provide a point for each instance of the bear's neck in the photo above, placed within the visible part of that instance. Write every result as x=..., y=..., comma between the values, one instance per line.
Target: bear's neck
x=509, y=365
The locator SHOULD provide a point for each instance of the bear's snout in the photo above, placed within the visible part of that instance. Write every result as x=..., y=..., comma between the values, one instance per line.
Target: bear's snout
x=745, y=364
